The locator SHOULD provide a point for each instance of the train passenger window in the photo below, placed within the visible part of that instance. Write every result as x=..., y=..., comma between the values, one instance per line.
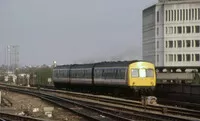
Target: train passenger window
x=66, y=73
x=120, y=74
x=149, y=72
x=87, y=73
x=98, y=73
x=142, y=72
x=134, y=73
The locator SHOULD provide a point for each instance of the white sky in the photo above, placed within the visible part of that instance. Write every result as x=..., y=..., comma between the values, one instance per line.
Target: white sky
x=72, y=31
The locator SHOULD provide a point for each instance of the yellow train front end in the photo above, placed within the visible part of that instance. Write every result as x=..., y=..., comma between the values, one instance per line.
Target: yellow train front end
x=141, y=75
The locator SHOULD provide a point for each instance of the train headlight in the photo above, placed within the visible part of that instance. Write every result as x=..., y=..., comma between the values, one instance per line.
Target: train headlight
x=133, y=83
x=152, y=83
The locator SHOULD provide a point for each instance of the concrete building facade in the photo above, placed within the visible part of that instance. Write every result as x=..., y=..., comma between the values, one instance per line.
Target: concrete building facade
x=171, y=33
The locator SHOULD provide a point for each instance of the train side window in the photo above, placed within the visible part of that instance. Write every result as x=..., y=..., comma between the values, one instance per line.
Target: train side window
x=87, y=74
x=134, y=73
x=82, y=73
x=73, y=75
x=104, y=74
x=59, y=73
x=98, y=73
x=66, y=73
x=149, y=72
x=115, y=73
x=63, y=73
x=110, y=74
x=120, y=73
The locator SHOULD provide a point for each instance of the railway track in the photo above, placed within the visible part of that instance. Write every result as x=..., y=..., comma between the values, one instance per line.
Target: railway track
x=11, y=117
x=135, y=104
x=107, y=108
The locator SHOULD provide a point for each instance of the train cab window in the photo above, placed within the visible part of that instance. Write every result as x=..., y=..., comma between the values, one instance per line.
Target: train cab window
x=149, y=72
x=142, y=72
x=134, y=73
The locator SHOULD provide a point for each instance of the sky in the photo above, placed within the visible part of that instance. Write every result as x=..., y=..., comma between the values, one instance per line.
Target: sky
x=72, y=31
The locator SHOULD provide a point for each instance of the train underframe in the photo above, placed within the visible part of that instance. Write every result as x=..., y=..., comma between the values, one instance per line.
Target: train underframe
x=119, y=91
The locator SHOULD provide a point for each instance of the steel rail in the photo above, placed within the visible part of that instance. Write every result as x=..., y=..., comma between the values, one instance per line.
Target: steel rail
x=80, y=109
x=128, y=103
x=166, y=116
x=12, y=117
x=136, y=104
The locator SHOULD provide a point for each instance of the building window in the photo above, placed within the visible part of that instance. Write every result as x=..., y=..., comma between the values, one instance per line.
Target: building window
x=170, y=57
x=166, y=30
x=192, y=41
x=183, y=14
x=197, y=43
x=179, y=43
x=170, y=44
x=189, y=14
x=179, y=29
x=192, y=29
x=192, y=57
x=157, y=31
x=166, y=16
x=198, y=13
x=183, y=43
x=188, y=44
x=197, y=28
x=174, y=30
x=157, y=16
x=174, y=15
x=157, y=44
x=197, y=57
x=169, y=15
x=174, y=44
x=188, y=57
x=192, y=14
x=186, y=14
x=179, y=57
x=183, y=29
x=157, y=58
x=188, y=29
x=177, y=15
x=174, y=57
x=195, y=13
x=166, y=44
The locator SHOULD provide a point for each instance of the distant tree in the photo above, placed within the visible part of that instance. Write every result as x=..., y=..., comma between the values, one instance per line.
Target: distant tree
x=42, y=75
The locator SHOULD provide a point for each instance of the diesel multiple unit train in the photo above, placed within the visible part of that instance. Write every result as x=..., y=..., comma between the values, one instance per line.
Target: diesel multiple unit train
x=134, y=75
